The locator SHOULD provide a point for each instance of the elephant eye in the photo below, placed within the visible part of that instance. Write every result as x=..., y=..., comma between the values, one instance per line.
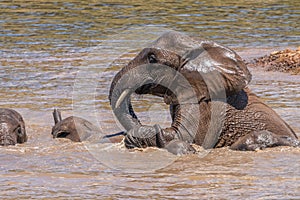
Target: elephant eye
x=19, y=131
x=152, y=58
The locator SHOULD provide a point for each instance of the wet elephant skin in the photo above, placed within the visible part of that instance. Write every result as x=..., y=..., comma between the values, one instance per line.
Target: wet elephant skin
x=74, y=128
x=78, y=129
x=12, y=127
x=206, y=86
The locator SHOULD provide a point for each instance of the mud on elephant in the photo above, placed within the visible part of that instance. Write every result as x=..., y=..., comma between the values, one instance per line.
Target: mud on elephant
x=205, y=85
x=12, y=127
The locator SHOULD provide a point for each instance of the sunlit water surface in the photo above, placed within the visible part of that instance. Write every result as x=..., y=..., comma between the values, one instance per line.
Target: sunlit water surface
x=62, y=55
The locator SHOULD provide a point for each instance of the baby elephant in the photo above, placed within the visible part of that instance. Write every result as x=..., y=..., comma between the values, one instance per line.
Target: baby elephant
x=78, y=129
x=12, y=127
x=73, y=128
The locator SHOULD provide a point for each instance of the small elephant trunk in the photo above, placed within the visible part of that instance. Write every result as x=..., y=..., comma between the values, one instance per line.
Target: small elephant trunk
x=56, y=116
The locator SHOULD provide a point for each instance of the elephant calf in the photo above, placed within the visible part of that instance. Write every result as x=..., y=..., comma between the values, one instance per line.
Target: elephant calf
x=74, y=128
x=205, y=85
x=12, y=127
x=78, y=129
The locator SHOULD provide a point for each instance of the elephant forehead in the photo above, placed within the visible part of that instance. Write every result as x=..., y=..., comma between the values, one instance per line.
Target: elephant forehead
x=158, y=51
x=8, y=119
x=175, y=42
x=202, y=56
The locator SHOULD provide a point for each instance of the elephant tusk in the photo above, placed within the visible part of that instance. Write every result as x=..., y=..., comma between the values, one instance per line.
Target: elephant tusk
x=122, y=97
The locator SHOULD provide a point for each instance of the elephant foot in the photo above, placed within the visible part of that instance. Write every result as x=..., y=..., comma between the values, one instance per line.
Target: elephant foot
x=263, y=139
x=141, y=137
x=179, y=148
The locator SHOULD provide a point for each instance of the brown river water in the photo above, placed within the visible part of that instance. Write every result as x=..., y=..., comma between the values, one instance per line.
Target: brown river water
x=64, y=55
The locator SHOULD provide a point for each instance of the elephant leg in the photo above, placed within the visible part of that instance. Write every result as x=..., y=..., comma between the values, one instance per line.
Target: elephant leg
x=263, y=139
x=165, y=139
x=184, y=127
x=145, y=136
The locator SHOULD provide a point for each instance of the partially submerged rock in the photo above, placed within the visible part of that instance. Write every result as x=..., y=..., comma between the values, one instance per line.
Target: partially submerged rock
x=283, y=61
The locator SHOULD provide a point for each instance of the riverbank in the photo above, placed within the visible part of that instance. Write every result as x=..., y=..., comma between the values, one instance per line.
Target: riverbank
x=287, y=60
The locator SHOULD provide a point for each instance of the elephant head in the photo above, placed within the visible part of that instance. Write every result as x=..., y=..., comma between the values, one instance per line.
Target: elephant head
x=183, y=71
x=12, y=127
x=73, y=128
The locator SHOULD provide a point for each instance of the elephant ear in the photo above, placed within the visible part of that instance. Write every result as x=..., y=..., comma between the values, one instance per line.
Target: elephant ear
x=222, y=70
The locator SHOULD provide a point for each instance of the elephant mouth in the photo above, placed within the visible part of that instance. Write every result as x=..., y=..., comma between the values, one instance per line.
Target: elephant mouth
x=151, y=88
x=154, y=89
x=145, y=89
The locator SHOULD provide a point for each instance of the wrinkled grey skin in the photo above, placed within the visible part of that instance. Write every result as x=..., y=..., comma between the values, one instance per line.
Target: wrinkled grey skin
x=205, y=85
x=12, y=127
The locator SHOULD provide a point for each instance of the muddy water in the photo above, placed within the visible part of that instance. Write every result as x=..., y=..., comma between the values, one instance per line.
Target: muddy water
x=63, y=55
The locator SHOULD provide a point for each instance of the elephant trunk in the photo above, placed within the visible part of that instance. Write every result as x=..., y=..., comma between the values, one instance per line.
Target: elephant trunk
x=124, y=84
x=146, y=79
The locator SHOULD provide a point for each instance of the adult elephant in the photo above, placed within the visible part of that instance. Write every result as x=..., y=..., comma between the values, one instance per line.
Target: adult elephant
x=205, y=85
x=12, y=127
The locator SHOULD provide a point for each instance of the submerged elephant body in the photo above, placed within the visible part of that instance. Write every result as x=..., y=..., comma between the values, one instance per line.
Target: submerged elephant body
x=248, y=117
x=78, y=129
x=12, y=127
x=205, y=85
x=73, y=128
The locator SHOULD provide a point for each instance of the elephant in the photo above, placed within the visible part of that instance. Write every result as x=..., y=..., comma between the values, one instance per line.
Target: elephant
x=205, y=85
x=74, y=128
x=12, y=127
x=78, y=129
